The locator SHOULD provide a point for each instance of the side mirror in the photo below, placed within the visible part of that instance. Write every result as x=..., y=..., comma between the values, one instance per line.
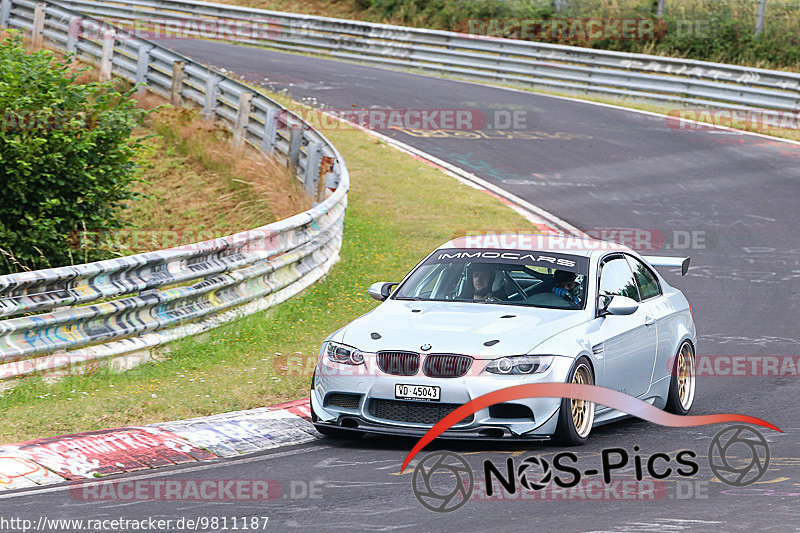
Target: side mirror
x=620, y=305
x=381, y=290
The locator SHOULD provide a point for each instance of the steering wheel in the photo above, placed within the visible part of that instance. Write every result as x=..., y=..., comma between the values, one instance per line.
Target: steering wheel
x=566, y=295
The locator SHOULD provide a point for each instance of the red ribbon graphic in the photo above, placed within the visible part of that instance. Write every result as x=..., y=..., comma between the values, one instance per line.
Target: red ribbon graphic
x=592, y=393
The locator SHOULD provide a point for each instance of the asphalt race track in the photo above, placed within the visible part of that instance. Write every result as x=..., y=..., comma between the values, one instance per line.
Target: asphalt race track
x=732, y=198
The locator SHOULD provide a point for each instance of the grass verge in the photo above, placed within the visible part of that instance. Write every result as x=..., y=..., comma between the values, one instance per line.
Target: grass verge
x=194, y=186
x=399, y=209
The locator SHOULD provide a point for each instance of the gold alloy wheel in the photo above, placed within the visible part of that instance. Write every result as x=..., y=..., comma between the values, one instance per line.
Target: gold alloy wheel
x=685, y=375
x=582, y=411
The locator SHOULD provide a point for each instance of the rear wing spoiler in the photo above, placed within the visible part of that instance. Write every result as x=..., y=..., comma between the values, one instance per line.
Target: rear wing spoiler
x=667, y=261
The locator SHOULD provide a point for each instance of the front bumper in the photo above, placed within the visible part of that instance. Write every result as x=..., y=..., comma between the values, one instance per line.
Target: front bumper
x=376, y=410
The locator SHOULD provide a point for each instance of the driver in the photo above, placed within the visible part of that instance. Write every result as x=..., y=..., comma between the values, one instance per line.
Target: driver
x=482, y=278
x=563, y=284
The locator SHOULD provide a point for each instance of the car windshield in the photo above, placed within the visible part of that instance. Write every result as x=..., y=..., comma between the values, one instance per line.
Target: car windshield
x=512, y=277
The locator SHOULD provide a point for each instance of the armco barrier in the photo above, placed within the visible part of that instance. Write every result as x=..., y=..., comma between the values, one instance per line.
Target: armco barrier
x=155, y=297
x=670, y=80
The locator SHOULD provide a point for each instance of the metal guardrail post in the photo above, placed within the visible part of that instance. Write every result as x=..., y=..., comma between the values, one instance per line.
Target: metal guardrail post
x=332, y=180
x=311, y=176
x=142, y=63
x=242, y=118
x=762, y=8
x=73, y=34
x=325, y=168
x=107, y=59
x=5, y=13
x=210, y=100
x=37, y=31
x=295, y=143
x=176, y=94
x=270, y=131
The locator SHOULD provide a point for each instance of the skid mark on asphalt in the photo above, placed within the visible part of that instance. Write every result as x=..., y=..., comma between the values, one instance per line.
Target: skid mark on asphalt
x=763, y=341
x=658, y=525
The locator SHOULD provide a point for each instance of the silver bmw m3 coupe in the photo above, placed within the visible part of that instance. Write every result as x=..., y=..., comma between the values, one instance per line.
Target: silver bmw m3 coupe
x=484, y=313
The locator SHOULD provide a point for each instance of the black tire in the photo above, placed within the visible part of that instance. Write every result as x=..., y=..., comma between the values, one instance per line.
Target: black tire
x=567, y=434
x=681, y=398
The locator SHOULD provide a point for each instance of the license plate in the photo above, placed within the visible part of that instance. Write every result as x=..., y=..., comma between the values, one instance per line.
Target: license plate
x=417, y=392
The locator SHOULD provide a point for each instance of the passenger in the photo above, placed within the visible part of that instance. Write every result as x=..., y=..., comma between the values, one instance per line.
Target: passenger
x=563, y=285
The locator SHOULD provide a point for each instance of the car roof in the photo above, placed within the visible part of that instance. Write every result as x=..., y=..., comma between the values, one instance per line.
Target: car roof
x=564, y=244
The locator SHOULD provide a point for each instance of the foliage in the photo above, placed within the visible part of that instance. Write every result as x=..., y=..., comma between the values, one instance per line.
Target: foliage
x=720, y=31
x=66, y=158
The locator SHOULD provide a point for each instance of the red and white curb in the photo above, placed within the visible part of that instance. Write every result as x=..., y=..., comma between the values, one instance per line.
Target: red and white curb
x=94, y=454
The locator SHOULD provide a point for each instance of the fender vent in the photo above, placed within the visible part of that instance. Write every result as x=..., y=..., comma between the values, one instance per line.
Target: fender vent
x=597, y=349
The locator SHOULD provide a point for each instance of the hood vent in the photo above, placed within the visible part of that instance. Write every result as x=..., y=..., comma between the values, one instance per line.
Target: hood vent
x=375, y=336
x=491, y=343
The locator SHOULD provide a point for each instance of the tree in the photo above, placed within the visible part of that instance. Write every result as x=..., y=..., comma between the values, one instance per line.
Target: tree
x=66, y=158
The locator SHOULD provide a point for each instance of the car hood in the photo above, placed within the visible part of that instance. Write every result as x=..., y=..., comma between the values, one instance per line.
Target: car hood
x=461, y=328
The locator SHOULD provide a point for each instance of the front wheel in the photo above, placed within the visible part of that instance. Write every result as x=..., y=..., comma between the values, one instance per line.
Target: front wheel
x=575, y=418
x=682, y=382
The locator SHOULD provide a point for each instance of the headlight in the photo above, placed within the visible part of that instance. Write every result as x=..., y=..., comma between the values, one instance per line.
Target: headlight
x=520, y=364
x=346, y=355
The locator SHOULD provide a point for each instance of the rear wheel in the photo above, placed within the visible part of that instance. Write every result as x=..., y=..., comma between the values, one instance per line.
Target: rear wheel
x=683, y=381
x=575, y=418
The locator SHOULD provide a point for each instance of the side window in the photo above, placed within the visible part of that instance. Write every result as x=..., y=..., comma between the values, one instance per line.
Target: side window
x=617, y=279
x=645, y=279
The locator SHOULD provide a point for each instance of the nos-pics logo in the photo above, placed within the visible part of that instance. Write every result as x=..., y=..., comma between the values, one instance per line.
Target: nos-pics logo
x=443, y=481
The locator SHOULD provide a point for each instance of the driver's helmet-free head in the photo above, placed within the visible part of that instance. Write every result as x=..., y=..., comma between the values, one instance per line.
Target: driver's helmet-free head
x=488, y=269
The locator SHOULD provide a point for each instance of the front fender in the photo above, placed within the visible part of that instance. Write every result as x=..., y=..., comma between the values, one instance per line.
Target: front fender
x=572, y=344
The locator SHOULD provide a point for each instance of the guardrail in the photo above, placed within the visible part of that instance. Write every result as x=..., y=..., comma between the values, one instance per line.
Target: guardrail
x=160, y=296
x=664, y=79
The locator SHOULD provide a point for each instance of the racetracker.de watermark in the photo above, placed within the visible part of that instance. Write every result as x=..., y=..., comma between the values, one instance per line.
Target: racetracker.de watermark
x=726, y=366
x=639, y=239
x=33, y=120
x=221, y=29
x=568, y=29
x=257, y=240
x=766, y=121
x=431, y=119
x=195, y=490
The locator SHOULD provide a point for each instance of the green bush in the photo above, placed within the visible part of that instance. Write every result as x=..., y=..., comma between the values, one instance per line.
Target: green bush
x=66, y=158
